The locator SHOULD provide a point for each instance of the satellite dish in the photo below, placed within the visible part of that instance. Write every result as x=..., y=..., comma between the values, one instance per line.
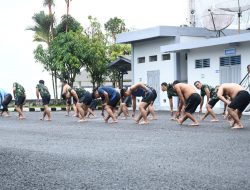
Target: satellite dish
x=217, y=20
x=235, y=6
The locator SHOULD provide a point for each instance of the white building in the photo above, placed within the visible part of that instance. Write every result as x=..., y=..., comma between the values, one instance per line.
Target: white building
x=165, y=54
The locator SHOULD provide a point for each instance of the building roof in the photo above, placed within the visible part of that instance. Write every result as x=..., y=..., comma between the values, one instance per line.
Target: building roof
x=122, y=63
x=166, y=31
x=237, y=38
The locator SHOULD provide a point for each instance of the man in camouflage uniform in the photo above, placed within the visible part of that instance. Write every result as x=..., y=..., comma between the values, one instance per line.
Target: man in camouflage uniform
x=170, y=93
x=44, y=93
x=19, y=95
x=212, y=99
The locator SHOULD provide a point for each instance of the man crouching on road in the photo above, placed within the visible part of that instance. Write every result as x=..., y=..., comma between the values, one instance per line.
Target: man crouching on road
x=189, y=98
x=240, y=100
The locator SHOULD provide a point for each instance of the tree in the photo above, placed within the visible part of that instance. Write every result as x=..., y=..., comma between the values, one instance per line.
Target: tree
x=96, y=65
x=69, y=52
x=115, y=26
x=67, y=3
x=42, y=27
x=68, y=23
x=49, y=3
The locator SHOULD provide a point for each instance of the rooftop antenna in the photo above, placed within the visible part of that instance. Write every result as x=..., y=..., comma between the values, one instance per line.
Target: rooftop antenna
x=216, y=20
x=235, y=6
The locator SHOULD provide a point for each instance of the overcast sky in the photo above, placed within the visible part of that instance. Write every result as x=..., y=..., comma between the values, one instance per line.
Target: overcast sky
x=16, y=47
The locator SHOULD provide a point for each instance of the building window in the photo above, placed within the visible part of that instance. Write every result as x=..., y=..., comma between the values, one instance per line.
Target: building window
x=232, y=60
x=141, y=59
x=152, y=58
x=166, y=57
x=202, y=63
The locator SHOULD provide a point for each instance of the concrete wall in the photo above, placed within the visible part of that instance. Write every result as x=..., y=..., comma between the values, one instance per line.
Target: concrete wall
x=211, y=75
x=166, y=68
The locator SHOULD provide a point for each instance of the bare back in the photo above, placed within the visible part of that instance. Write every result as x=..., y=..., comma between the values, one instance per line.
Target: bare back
x=230, y=89
x=186, y=89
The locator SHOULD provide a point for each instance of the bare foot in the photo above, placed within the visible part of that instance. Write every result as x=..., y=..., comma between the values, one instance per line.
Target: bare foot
x=236, y=126
x=48, y=119
x=144, y=123
x=81, y=120
x=21, y=118
x=214, y=120
x=154, y=118
x=173, y=118
x=194, y=124
x=231, y=123
x=116, y=121
x=179, y=121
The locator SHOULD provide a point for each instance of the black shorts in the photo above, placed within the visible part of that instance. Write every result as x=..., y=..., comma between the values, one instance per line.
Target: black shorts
x=241, y=101
x=126, y=100
x=93, y=104
x=149, y=97
x=7, y=99
x=86, y=99
x=213, y=101
x=114, y=100
x=19, y=100
x=192, y=103
x=46, y=100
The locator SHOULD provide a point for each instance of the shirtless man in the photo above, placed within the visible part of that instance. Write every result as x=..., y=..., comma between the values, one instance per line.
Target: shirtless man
x=68, y=93
x=212, y=99
x=240, y=100
x=124, y=103
x=84, y=103
x=110, y=98
x=189, y=98
x=148, y=95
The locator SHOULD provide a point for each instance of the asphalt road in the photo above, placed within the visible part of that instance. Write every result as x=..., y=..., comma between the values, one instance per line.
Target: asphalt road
x=64, y=154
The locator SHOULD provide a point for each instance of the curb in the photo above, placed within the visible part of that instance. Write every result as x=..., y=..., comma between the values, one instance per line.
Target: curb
x=38, y=109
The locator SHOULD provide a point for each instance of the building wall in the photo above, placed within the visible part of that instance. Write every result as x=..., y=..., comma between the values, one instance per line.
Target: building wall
x=84, y=80
x=166, y=68
x=211, y=75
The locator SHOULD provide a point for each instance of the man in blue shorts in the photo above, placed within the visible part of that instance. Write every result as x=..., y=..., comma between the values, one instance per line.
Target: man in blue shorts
x=5, y=99
x=110, y=98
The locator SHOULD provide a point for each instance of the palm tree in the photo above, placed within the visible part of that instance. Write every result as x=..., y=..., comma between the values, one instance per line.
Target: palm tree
x=43, y=33
x=68, y=3
x=41, y=28
x=49, y=3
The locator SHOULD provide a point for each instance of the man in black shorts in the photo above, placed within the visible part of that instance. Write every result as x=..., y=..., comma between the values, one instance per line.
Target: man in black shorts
x=148, y=95
x=20, y=96
x=190, y=99
x=212, y=99
x=240, y=99
x=67, y=94
x=124, y=103
x=83, y=105
x=171, y=93
x=44, y=93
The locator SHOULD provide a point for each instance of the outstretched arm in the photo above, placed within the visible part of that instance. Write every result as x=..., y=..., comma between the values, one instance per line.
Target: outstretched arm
x=221, y=97
x=182, y=99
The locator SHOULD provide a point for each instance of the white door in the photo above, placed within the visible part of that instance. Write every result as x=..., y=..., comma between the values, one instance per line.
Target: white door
x=153, y=80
